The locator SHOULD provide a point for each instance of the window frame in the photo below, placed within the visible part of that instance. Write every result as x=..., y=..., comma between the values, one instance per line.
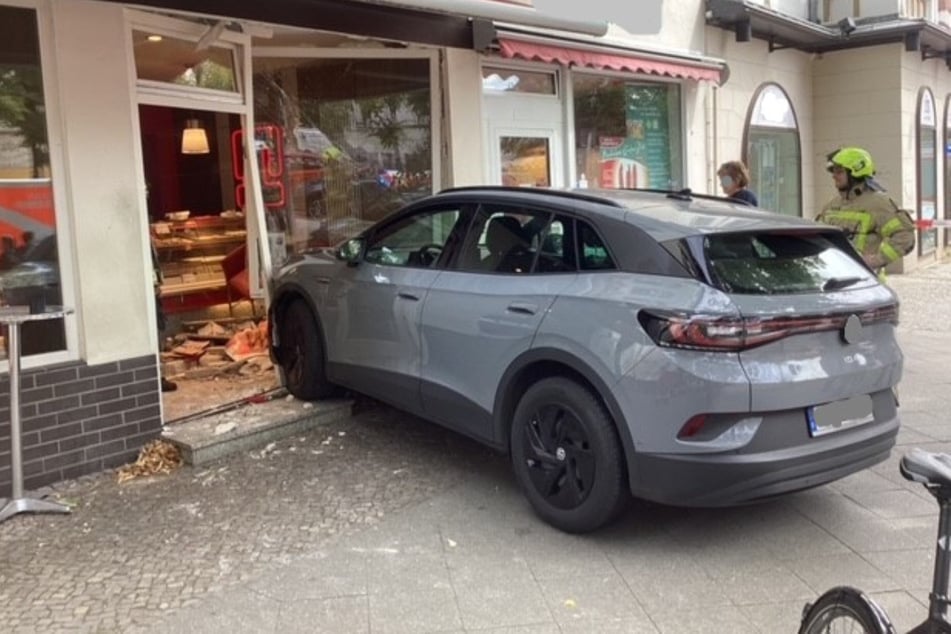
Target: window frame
x=159, y=93
x=59, y=181
x=921, y=128
x=495, y=63
x=638, y=79
x=748, y=126
x=946, y=142
x=435, y=82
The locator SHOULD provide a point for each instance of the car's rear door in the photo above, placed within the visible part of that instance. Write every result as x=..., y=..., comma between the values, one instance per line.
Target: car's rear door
x=483, y=312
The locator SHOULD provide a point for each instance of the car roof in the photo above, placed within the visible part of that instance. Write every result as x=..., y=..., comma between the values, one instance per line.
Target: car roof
x=662, y=214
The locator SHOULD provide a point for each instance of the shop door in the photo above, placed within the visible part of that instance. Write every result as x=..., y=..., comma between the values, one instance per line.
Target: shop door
x=524, y=140
x=202, y=162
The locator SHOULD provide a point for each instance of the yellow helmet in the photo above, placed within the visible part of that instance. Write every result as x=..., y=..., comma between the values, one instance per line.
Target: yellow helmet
x=854, y=160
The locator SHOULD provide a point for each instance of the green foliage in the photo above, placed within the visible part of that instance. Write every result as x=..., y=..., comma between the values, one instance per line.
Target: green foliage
x=22, y=107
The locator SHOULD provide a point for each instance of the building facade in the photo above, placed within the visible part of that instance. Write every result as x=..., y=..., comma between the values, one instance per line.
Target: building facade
x=141, y=145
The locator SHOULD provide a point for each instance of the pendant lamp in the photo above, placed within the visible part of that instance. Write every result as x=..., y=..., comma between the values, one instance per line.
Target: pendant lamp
x=194, y=138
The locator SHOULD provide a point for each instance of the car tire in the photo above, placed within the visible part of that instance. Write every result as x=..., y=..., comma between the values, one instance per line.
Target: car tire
x=567, y=456
x=302, y=354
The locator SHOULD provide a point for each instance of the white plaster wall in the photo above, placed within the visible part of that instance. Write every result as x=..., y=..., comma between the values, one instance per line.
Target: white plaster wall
x=110, y=239
x=682, y=26
x=857, y=103
x=751, y=65
x=463, y=119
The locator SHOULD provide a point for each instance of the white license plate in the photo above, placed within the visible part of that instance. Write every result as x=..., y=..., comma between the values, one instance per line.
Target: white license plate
x=833, y=417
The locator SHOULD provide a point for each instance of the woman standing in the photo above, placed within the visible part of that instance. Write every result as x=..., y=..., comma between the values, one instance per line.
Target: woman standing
x=734, y=181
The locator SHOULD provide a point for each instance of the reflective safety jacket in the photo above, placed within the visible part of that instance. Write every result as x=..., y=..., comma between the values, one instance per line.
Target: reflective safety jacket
x=877, y=227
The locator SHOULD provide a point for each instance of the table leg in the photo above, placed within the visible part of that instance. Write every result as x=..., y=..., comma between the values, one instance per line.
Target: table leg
x=18, y=503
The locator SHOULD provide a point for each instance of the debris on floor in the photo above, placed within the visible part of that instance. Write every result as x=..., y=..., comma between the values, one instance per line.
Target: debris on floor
x=214, y=350
x=217, y=363
x=249, y=341
x=158, y=456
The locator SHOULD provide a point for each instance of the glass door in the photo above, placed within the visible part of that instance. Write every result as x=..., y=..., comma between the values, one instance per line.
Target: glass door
x=521, y=157
x=525, y=161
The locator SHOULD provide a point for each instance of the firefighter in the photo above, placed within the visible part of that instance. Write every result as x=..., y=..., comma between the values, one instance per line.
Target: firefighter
x=880, y=230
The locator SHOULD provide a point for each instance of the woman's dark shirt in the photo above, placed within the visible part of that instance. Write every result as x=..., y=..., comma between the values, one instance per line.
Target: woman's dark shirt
x=746, y=196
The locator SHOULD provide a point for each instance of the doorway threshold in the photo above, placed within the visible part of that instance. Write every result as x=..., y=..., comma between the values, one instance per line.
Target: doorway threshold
x=249, y=424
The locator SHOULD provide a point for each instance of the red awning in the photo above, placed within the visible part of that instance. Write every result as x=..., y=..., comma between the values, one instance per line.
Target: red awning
x=614, y=61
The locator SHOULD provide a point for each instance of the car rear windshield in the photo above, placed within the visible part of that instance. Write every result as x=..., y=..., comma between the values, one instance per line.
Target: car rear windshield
x=777, y=263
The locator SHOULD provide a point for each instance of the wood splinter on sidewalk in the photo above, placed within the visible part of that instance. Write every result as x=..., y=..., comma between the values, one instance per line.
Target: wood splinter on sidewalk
x=158, y=456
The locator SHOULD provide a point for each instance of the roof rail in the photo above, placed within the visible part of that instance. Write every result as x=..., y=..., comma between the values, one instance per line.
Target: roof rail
x=681, y=194
x=562, y=193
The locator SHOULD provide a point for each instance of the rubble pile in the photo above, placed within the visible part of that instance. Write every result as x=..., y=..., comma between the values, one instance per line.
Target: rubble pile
x=216, y=350
x=158, y=456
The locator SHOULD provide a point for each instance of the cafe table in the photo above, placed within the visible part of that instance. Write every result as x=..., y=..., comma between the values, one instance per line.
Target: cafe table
x=13, y=317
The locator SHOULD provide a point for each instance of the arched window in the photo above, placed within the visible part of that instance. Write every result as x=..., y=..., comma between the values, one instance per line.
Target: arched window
x=771, y=150
x=927, y=169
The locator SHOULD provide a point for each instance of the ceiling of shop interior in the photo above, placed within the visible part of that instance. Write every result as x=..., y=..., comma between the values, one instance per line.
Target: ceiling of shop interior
x=178, y=55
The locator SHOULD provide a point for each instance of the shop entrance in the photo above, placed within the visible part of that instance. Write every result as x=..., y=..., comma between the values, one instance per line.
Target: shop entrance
x=523, y=123
x=204, y=202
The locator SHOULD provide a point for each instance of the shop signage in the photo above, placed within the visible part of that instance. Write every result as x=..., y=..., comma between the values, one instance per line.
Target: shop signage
x=641, y=158
x=269, y=146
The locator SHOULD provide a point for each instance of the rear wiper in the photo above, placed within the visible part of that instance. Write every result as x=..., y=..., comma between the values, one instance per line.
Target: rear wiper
x=836, y=283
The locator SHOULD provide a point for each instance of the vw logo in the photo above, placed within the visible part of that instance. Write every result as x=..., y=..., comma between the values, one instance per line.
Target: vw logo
x=852, y=331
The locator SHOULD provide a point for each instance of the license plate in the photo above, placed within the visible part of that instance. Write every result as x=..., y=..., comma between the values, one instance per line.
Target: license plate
x=833, y=417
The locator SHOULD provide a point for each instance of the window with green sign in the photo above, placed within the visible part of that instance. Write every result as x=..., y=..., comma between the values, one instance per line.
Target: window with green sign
x=628, y=134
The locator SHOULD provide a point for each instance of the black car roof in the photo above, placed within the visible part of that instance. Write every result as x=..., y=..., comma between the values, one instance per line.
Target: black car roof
x=662, y=214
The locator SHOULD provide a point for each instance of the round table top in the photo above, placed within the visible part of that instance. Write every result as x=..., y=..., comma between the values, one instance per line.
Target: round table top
x=21, y=314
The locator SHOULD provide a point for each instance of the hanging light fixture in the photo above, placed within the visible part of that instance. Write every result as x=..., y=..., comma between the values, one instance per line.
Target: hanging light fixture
x=194, y=138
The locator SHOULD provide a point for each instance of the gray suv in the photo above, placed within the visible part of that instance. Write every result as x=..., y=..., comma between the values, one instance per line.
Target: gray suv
x=681, y=348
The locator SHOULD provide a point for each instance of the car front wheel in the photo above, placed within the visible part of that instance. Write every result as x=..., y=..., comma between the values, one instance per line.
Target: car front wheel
x=567, y=456
x=302, y=355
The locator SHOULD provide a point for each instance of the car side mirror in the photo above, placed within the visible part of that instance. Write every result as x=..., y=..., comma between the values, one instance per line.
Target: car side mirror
x=351, y=251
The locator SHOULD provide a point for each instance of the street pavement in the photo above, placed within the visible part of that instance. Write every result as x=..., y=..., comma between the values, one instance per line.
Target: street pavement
x=383, y=523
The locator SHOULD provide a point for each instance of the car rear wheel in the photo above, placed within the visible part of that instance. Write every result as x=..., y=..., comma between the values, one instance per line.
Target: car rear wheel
x=567, y=456
x=302, y=354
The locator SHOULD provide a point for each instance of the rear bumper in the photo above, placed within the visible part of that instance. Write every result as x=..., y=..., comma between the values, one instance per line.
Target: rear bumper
x=727, y=479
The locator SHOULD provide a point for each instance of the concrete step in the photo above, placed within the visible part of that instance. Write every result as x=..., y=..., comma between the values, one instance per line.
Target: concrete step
x=251, y=426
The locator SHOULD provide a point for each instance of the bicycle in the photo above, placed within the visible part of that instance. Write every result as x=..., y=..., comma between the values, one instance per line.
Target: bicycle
x=847, y=609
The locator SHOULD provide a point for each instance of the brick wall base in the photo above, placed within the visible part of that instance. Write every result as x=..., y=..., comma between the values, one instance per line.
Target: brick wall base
x=78, y=419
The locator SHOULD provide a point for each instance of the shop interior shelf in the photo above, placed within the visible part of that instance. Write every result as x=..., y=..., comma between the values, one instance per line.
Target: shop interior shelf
x=190, y=253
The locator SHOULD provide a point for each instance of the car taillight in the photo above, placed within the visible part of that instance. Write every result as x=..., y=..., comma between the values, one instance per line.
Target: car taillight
x=732, y=334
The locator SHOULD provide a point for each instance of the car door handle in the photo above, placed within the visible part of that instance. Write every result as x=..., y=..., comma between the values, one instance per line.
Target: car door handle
x=522, y=308
x=409, y=296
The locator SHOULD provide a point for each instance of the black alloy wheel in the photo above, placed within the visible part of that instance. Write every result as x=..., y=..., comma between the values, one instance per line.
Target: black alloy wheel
x=558, y=455
x=302, y=355
x=567, y=456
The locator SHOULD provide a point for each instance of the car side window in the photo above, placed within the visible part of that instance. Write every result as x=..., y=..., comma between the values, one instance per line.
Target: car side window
x=592, y=250
x=503, y=239
x=556, y=252
x=416, y=240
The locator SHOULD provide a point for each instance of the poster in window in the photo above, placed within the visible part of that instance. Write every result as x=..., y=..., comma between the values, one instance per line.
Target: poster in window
x=641, y=158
